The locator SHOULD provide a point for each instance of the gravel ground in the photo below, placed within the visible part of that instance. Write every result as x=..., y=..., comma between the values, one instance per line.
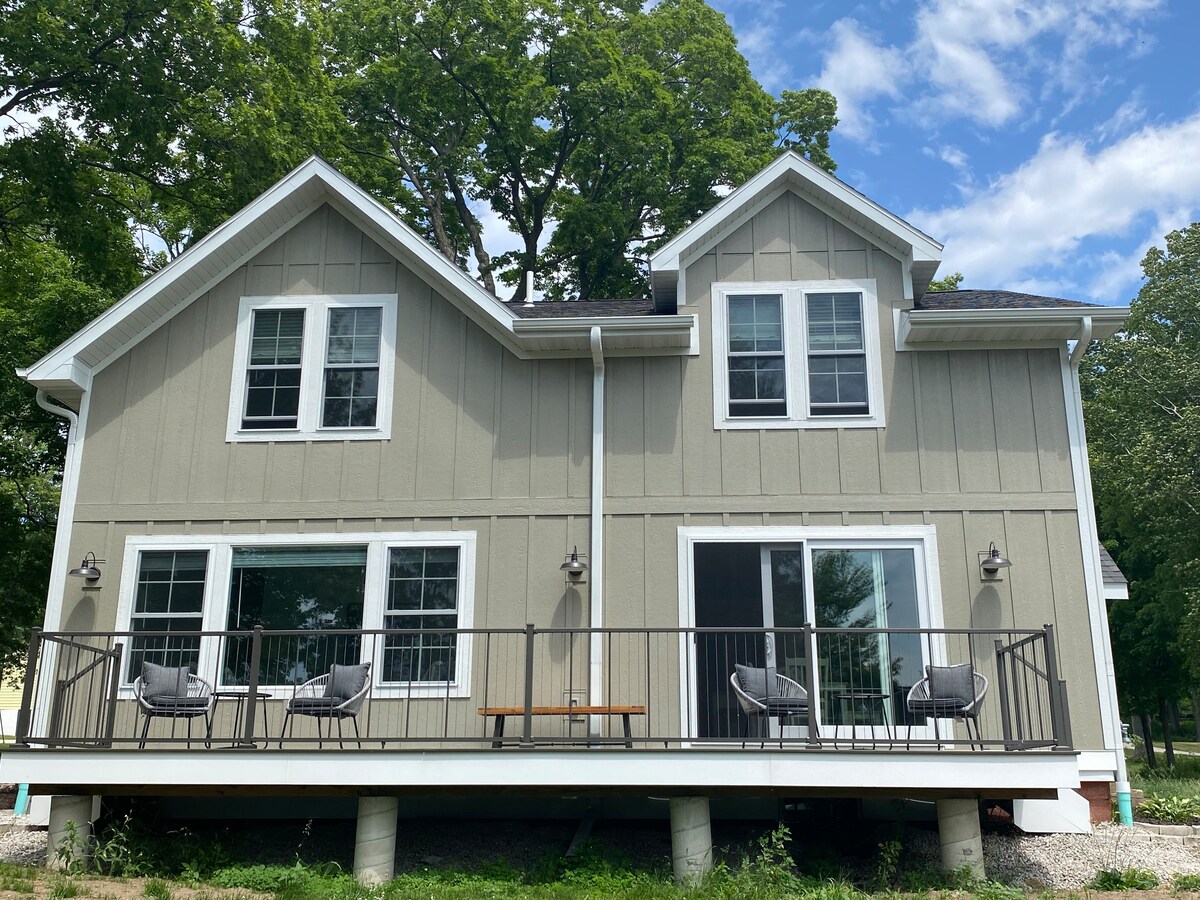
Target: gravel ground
x=1056, y=861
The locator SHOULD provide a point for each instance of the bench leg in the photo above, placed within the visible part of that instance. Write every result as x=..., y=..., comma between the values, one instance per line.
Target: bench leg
x=498, y=733
x=628, y=731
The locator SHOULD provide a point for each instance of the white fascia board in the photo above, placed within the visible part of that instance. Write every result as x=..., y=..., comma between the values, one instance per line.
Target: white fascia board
x=348, y=197
x=792, y=167
x=194, y=256
x=677, y=330
x=748, y=770
x=1116, y=591
x=918, y=326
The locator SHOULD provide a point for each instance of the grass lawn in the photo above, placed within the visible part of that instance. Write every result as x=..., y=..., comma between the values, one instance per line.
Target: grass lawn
x=1182, y=781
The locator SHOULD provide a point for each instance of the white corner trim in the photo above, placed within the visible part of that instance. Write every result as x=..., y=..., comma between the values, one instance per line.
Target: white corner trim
x=1093, y=578
x=55, y=591
x=596, y=527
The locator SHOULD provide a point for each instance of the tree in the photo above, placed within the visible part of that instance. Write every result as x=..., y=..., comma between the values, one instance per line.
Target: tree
x=1142, y=403
x=119, y=120
x=949, y=283
x=610, y=125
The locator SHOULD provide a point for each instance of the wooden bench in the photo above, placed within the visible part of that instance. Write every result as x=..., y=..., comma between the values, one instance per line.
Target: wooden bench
x=502, y=712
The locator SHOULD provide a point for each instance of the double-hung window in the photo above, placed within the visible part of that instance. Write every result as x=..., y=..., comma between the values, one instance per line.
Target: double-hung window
x=796, y=355
x=313, y=368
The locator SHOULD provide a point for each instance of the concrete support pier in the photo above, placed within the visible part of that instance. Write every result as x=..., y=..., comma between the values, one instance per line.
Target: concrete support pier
x=69, y=813
x=375, y=840
x=691, y=839
x=961, y=839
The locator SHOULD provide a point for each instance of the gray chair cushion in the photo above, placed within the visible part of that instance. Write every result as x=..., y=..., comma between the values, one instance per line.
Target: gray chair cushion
x=346, y=681
x=952, y=683
x=313, y=705
x=758, y=684
x=164, y=682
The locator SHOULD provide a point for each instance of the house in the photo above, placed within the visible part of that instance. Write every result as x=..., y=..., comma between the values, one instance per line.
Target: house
x=554, y=530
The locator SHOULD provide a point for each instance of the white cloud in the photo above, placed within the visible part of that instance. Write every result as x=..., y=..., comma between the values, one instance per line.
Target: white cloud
x=979, y=60
x=1066, y=194
x=857, y=70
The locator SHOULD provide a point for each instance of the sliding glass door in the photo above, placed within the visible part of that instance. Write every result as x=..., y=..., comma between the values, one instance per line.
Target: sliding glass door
x=852, y=591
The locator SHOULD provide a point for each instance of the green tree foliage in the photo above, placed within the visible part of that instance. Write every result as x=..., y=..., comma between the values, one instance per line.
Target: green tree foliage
x=1142, y=403
x=610, y=125
x=949, y=283
x=117, y=121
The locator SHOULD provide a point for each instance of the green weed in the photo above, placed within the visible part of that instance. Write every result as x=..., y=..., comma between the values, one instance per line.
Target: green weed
x=1186, y=883
x=64, y=889
x=1131, y=879
x=156, y=890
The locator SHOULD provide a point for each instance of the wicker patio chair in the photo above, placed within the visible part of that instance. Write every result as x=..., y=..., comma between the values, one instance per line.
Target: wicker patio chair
x=173, y=693
x=949, y=692
x=762, y=693
x=338, y=695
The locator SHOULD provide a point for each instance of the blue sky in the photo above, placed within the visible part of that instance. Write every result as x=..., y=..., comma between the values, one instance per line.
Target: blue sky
x=1047, y=144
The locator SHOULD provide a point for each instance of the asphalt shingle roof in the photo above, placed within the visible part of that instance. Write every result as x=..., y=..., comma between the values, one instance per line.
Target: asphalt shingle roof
x=1112, y=574
x=574, y=309
x=992, y=300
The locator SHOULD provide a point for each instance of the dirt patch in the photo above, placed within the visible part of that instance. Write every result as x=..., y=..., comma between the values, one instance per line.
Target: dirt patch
x=8, y=796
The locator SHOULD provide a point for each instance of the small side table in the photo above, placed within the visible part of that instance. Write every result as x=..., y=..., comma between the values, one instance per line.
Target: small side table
x=782, y=707
x=867, y=698
x=239, y=698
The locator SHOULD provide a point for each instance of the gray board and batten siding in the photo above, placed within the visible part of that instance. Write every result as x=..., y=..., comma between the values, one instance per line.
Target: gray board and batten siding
x=975, y=444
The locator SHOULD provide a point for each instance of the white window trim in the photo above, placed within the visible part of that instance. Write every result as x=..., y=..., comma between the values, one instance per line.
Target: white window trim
x=316, y=323
x=796, y=354
x=216, y=597
x=922, y=539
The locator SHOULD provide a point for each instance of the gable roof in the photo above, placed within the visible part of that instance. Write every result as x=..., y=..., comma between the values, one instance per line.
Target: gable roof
x=1116, y=586
x=921, y=253
x=67, y=370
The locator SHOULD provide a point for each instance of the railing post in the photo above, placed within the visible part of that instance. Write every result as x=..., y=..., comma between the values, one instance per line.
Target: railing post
x=252, y=688
x=1068, y=740
x=26, y=710
x=1002, y=692
x=114, y=685
x=527, y=728
x=810, y=685
x=1053, y=687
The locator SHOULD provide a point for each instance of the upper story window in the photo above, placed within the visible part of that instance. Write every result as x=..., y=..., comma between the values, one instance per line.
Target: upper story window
x=313, y=368
x=796, y=355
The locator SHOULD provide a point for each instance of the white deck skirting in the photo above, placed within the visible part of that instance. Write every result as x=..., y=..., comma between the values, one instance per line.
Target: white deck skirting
x=540, y=771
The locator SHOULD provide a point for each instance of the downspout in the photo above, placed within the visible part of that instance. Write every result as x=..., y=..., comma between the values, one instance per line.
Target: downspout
x=596, y=543
x=66, y=508
x=1090, y=533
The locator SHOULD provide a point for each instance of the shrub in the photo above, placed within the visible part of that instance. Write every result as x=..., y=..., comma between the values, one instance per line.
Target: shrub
x=1182, y=810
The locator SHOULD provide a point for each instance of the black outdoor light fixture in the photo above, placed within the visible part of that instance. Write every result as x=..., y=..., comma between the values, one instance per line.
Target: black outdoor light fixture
x=87, y=569
x=992, y=562
x=574, y=566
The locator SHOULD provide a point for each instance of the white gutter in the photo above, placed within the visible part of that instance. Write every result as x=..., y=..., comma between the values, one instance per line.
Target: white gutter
x=596, y=548
x=1089, y=538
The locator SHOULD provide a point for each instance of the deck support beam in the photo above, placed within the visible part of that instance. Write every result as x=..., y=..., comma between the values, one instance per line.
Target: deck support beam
x=960, y=834
x=691, y=839
x=375, y=839
x=69, y=831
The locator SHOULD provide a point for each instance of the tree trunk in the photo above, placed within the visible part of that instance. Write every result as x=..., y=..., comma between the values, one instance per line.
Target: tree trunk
x=1147, y=741
x=1196, y=712
x=1164, y=715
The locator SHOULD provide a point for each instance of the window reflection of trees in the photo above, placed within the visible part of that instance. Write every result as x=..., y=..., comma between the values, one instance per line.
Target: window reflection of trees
x=310, y=598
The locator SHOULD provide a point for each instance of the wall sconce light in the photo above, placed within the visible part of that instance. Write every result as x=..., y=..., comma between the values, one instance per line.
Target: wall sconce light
x=574, y=567
x=991, y=562
x=87, y=569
